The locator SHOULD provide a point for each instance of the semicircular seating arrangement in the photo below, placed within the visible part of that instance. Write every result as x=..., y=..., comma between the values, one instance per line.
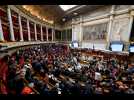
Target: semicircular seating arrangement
x=54, y=70
x=67, y=50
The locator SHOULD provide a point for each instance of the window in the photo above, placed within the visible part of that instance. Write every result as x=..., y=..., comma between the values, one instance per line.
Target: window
x=67, y=7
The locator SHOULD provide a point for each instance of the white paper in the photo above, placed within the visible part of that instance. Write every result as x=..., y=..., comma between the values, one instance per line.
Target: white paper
x=97, y=76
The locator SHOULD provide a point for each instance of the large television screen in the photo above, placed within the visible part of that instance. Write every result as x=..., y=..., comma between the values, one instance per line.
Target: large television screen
x=75, y=44
x=117, y=47
x=131, y=49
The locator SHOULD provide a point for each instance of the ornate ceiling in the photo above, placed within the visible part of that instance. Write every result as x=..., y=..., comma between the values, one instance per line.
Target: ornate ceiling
x=56, y=14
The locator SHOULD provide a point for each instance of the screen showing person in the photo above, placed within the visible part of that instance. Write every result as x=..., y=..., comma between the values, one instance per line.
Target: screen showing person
x=116, y=47
x=131, y=49
x=75, y=44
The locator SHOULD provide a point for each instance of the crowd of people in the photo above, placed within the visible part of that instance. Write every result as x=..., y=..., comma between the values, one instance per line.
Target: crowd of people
x=53, y=70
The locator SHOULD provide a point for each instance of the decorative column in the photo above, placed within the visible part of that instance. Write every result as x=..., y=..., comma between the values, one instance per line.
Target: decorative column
x=81, y=30
x=130, y=24
x=29, y=37
x=73, y=30
x=10, y=24
x=47, y=32
x=35, y=31
x=53, y=32
x=1, y=32
x=66, y=39
x=61, y=35
x=41, y=33
x=131, y=17
x=110, y=26
x=20, y=26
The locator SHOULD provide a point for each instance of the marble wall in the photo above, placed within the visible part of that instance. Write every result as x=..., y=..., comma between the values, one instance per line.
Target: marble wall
x=120, y=29
x=83, y=27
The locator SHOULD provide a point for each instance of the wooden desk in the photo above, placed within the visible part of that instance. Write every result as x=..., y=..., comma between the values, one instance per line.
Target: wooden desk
x=62, y=77
x=66, y=65
x=50, y=86
x=82, y=83
x=84, y=62
x=72, y=80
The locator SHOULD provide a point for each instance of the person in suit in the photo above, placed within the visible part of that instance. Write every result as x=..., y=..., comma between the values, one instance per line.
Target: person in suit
x=75, y=89
x=88, y=90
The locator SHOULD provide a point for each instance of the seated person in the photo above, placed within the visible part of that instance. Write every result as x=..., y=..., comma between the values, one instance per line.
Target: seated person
x=98, y=91
x=27, y=90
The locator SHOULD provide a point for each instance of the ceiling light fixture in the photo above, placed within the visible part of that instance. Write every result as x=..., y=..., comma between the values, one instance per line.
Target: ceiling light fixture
x=67, y=7
x=75, y=13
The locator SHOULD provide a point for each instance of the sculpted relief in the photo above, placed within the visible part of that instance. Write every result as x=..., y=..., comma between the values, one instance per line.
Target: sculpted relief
x=119, y=30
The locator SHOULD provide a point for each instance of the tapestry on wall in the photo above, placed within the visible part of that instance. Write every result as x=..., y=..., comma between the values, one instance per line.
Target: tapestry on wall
x=95, y=32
